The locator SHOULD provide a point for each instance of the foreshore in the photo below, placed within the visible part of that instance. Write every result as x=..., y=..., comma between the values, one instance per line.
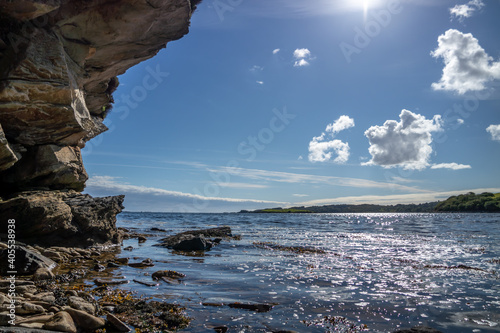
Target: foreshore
x=67, y=289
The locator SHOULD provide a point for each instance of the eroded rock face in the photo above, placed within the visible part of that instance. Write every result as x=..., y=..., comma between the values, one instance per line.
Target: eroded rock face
x=66, y=218
x=59, y=62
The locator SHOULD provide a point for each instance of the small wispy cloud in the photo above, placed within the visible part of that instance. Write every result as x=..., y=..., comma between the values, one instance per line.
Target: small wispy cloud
x=276, y=51
x=300, y=178
x=143, y=198
x=451, y=166
x=242, y=185
x=300, y=195
x=256, y=68
x=464, y=11
x=494, y=130
x=260, y=82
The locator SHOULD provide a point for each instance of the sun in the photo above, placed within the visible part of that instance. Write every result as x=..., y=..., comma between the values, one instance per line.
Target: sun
x=366, y=6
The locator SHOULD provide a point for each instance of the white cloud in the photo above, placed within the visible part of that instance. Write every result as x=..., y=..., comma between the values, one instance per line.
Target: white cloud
x=301, y=53
x=323, y=150
x=494, y=130
x=344, y=122
x=451, y=166
x=467, y=66
x=142, y=198
x=465, y=11
x=275, y=51
x=300, y=195
x=406, y=143
x=460, y=121
x=303, y=57
x=260, y=82
x=301, y=63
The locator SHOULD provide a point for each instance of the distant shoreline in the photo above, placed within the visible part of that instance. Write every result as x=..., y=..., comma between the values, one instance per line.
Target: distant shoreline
x=464, y=203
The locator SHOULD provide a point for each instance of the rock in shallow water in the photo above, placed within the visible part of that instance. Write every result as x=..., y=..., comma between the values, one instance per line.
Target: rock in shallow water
x=418, y=329
x=196, y=240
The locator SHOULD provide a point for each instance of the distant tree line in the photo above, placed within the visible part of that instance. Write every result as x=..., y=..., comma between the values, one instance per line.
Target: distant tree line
x=364, y=208
x=471, y=202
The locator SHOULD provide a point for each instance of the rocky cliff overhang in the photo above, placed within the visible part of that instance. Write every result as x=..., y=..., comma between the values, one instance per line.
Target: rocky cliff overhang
x=59, y=62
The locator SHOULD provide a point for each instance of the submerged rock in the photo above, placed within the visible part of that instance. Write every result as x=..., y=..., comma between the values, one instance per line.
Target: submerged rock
x=143, y=264
x=418, y=329
x=252, y=307
x=167, y=273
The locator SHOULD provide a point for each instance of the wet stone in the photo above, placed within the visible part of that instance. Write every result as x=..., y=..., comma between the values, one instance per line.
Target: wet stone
x=252, y=307
x=143, y=264
x=146, y=283
x=109, y=281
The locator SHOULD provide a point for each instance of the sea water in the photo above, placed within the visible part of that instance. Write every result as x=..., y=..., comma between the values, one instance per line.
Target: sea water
x=385, y=271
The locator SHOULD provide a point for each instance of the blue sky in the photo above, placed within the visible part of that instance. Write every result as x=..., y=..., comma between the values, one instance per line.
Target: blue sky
x=287, y=102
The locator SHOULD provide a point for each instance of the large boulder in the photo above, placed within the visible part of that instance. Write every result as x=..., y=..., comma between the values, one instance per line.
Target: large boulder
x=62, y=218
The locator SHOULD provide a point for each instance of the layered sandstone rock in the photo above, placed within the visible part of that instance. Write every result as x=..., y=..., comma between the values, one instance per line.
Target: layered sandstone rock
x=65, y=218
x=59, y=61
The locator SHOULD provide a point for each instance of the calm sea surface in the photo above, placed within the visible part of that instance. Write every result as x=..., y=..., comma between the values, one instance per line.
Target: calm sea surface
x=381, y=270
